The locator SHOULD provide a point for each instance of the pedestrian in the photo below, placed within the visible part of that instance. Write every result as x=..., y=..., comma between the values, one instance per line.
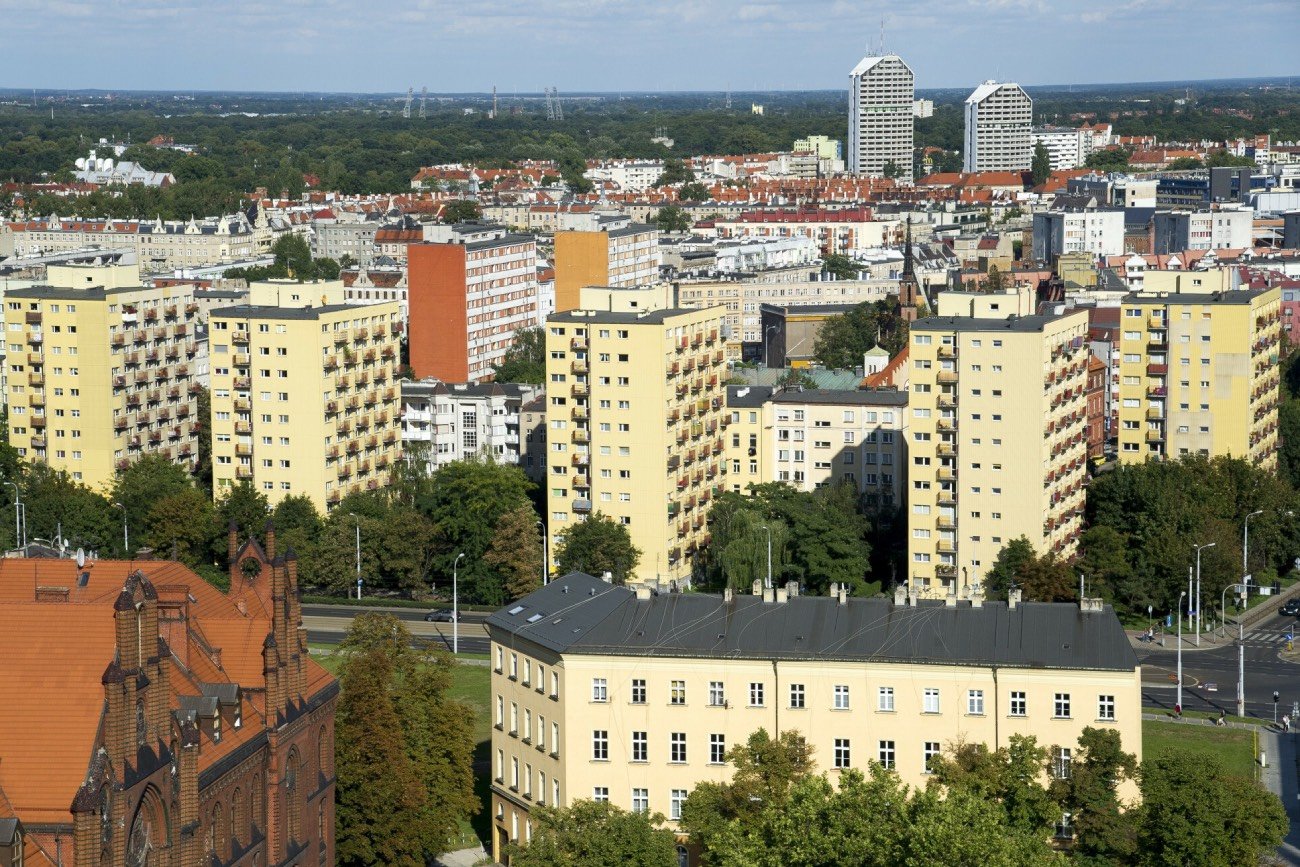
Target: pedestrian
x=1286, y=723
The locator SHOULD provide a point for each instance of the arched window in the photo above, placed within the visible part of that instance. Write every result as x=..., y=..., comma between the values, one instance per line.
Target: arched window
x=292, y=796
x=256, y=805
x=149, y=835
x=139, y=722
x=237, y=820
x=215, y=836
x=322, y=753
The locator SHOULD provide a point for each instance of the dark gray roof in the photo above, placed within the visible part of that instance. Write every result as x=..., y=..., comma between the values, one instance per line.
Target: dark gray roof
x=8, y=830
x=971, y=323
x=256, y=311
x=1237, y=296
x=59, y=293
x=839, y=396
x=751, y=396
x=805, y=309
x=430, y=387
x=579, y=614
x=605, y=317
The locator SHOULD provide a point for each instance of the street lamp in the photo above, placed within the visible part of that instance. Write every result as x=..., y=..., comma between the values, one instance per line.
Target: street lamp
x=768, y=585
x=546, y=553
x=1245, y=541
x=455, y=605
x=126, y=532
x=1199, y=548
x=358, y=520
x=1179, y=702
x=20, y=537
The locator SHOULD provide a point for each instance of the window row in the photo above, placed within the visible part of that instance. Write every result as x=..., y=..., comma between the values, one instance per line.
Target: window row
x=640, y=747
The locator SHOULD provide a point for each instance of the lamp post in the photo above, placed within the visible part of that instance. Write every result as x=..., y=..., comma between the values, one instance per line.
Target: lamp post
x=20, y=538
x=1199, y=548
x=1245, y=542
x=1241, y=653
x=767, y=345
x=1179, y=701
x=768, y=585
x=126, y=531
x=546, y=554
x=455, y=605
x=358, y=520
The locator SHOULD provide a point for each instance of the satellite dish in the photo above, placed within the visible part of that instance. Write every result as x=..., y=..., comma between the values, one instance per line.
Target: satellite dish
x=81, y=557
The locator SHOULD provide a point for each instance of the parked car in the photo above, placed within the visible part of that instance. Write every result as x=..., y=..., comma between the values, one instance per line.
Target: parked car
x=440, y=615
x=1291, y=608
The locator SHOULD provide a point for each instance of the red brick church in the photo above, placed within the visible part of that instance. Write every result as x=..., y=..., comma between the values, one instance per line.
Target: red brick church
x=147, y=718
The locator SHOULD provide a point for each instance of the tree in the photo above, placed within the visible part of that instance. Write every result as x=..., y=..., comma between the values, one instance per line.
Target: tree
x=525, y=360
x=1183, y=164
x=379, y=797
x=297, y=523
x=1113, y=159
x=516, y=552
x=1195, y=812
x=1219, y=158
x=293, y=257
x=891, y=170
x=844, y=338
x=143, y=483
x=203, y=460
x=793, y=377
x=1102, y=830
x=694, y=192
x=1040, y=579
x=1040, y=169
x=461, y=211
x=1288, y=422
x=840, y=267
x=180, y=526
x=675, y=172
x=1008, y=776
x=672, y=219
x=994, y=281
x=596, y=546
x=244, y=506
x=595, y=834
x=56, y=503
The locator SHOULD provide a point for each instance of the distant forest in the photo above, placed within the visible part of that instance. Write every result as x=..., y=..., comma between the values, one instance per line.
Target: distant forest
x=362, y=144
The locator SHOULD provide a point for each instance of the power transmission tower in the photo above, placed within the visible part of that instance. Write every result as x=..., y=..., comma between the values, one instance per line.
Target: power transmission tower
x=727, y=104
x=410, y=97
x=559, y=106
x=424, y=98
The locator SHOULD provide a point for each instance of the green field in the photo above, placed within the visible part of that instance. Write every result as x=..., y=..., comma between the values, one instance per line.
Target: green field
x=1235, y=748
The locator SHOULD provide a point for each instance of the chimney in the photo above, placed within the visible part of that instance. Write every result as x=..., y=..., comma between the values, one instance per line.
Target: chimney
x=976, y=598
x=757, y=589
x=769, y=595
x=643, y=592
x=782, y=595
x=268, y=532
x=728, y=596
x=900, y=595
x=1013, y=598
x=232, y=543
x=1091, y=605
x=607, y=577
x=835, y=589
x=951, y=599
x=844, y=594
x=792, y=588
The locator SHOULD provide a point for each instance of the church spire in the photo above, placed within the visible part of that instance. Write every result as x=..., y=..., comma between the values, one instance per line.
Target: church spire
x=907, y=251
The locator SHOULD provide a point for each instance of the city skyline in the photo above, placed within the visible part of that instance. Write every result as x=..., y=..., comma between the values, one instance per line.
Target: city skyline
x=581, y=47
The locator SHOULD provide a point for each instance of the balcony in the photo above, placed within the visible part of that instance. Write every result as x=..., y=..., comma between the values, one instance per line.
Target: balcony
x=1158, y=392
x=1155, y=436
x=579, y=389
x=948, y=400
x=946, y=449
x=239, y=337
x=243, y=427
x=1157, y=370
x=243, y=404
x=946, y=546
x=1157, y=343
x=578, y=343
x=946, y=351
x=947, y=497
x=140, y=337
x=242, y=360
x=35, y=338
x=1154, y=413
x=582, y=481
x=947, y=424
x=580, y=460
x=579, y=412
x=33, y=317
x=947, y=474
x=38, y=421
x=340, y=337
x=581, y=436
x=243, y=449
x=582, y=505
x=38, y=441
x=243, y=383
x=947, y=522
x=579, y=367
x=36, y=380
x=947, y=376
x=244, y=473
x=118, y=339
x=1156, y=322
x=151, y=314
x=37, y=398
x=369, y=355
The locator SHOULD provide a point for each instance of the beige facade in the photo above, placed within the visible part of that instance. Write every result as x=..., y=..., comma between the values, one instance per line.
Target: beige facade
x=635, y=428
x=584, y=709
x=304, y=400
x=1199, y=374
x=101, y=374
x=742, y=300
x=998, y=446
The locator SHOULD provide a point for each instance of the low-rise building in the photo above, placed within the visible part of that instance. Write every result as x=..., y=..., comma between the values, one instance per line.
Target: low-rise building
x=1095, y=230
x=454, y=421
x=634, y=697
x=1176, y=231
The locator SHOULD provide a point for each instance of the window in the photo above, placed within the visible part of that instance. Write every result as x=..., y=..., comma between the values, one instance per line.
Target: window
x=600, y=745
x=717, y=749
x=756, y=695
x=930, y=701
x=598, y=793
x=678, y=692
x=1064, y=828
x=717, y=696
x=640, y=747
x=1061, y=763
x=841, y=696
x=599, y=689
x=555, y=685
x=1019, y=706
x=676, y=798
x=797, y=695
x=514, y=666
x=975, y=702
x=843, y=753
x=677, y=747
x=638, y=691
x=929, y=754
x=1061, y=707
x=885, y=698
x=1106, y=707
x=640, y=800
x=887, y=755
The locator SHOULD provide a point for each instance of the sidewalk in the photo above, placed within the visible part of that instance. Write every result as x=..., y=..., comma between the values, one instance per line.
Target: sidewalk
x=1280, y=777
x=463, y=858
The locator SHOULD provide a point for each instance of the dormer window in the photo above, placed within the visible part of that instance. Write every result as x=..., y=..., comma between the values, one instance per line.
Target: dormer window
x=216, y=728
x=239, y=717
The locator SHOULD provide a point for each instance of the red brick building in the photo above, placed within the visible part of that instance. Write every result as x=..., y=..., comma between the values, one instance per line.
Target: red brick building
x=1095, y=392
x=150, y=719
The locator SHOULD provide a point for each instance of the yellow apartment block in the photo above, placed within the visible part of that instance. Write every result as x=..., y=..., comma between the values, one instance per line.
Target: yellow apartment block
x=1199, y=374
x=609, y=257
x=635, y=428
x=634, y=697
x=304, y=399
x=747, y=461
x=101, y=372
x=998, y=446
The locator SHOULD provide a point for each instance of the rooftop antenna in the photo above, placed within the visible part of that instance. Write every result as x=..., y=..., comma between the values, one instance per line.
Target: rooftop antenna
x=559, y=106
x=494, y=101
x=424, y=98
x=882, y=36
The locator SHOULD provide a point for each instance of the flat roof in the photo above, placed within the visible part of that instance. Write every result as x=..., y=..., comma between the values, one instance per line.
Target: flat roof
x=842, y=396
x=580, y=614
x=266, y=311
x=748, y=396
x=1236, y=296
x=60, y=293
x=581, y=317
x=1025, y=324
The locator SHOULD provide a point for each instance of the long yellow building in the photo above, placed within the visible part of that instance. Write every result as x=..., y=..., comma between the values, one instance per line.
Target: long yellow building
x=635, y=419
x=304, y=399
x=1199, y=373
x=101, y=372
x=998, y=447
x=634, y=697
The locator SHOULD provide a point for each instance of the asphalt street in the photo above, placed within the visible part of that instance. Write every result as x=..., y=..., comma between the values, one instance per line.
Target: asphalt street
x=1210, y=673
x=326, y=624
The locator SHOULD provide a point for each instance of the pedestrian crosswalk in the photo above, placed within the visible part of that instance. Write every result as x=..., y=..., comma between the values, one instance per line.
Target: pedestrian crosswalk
x=1267, y=638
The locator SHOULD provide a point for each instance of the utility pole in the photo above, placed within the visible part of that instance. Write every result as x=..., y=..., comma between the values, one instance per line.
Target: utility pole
x=1199, y=548
x=768, y=585
x=1178, y=703
x=455, y=605
x=358, y=520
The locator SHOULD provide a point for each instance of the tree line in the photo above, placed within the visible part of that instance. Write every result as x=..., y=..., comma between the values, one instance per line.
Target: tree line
x=1016, y=806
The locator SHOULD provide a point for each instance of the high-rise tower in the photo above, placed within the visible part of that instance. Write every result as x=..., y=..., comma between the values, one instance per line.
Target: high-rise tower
x=881, y=92
x=998, y=120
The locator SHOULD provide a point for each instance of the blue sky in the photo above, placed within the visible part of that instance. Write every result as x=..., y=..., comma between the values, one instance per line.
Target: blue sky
x=524, y=45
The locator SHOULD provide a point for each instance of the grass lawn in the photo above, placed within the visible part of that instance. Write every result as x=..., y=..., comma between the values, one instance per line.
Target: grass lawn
x=1235, y=748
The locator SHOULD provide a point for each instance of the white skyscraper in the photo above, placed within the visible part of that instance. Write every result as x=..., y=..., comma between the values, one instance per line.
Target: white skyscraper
x=998, y=121
x=881, y=94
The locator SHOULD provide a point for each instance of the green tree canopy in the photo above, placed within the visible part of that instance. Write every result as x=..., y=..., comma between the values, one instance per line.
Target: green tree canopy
x=675, y=172
x=595, y=834
x=694, y=192
x=244, y=506
x=180, y=525
x=525, y=360
x=461, y=211
x=672, y=219
x=596, y=546
x=845, y=338
x=145, y=482
x=516, y=552
x=840, y=267
x=1103, y=831
x=1040, y=169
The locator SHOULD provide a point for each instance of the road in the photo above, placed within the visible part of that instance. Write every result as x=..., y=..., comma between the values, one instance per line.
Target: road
x=1212, y=673
x=326, y=624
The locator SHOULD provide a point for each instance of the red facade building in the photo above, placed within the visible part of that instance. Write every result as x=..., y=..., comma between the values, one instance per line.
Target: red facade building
x=1096, y=407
